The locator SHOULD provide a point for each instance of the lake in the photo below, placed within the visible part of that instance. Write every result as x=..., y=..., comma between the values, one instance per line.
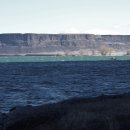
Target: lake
x=59, y=58
x=35, y=80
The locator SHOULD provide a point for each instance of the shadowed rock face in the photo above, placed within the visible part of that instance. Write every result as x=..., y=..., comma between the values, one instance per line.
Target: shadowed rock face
x=101, y=113
x=39, y=43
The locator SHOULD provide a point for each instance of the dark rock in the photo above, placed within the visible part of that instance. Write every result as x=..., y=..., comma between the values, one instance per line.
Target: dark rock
x=3, y=118
x=101, y=113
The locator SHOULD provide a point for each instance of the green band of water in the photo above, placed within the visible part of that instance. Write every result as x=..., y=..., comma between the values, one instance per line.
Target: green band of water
x=59, y=58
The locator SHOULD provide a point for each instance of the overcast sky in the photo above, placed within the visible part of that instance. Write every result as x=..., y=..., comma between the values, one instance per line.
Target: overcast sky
x=65, y=16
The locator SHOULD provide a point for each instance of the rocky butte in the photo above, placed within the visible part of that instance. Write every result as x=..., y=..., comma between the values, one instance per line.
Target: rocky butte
x=64, y=44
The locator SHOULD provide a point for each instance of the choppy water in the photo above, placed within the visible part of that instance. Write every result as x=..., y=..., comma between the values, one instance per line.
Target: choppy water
x=45, y=82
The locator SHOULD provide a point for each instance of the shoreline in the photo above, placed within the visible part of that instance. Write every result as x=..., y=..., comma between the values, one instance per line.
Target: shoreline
x=100, y=113
x=61, y=55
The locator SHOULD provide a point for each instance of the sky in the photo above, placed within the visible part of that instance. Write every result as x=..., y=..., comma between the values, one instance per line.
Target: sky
x=65, y=16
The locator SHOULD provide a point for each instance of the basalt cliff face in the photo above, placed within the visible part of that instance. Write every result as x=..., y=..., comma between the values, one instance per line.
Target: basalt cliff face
x=59, y=43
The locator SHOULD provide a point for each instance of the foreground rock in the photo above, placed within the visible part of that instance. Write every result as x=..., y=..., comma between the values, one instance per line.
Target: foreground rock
x=102, y=113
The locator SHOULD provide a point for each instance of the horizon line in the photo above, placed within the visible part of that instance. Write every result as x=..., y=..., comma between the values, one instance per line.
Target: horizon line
x=64, y=33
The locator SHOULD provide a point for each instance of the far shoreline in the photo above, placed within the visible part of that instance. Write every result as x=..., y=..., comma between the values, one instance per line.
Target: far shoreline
x=62, y=55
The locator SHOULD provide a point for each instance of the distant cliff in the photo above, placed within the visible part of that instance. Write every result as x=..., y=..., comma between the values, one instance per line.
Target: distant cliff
x=61, y=43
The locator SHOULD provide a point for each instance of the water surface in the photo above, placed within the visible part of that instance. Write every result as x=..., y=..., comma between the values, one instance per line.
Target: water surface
x=59, y=58
x=37, y=83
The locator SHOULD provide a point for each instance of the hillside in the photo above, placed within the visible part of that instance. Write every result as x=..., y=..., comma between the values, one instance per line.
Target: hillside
x=87, y=44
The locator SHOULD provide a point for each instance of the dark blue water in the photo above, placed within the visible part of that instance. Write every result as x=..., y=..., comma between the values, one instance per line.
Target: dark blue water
x=39, y=83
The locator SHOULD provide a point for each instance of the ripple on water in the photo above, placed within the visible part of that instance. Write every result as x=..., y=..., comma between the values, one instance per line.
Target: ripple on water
x=39, y=83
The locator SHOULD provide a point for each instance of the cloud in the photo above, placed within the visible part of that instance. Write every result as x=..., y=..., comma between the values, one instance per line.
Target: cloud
x=71, y=30
x=115, y=30
x=102, y=31
x=122, y=29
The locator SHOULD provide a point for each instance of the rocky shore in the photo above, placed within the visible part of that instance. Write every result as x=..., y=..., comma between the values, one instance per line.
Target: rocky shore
x=100, y=113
